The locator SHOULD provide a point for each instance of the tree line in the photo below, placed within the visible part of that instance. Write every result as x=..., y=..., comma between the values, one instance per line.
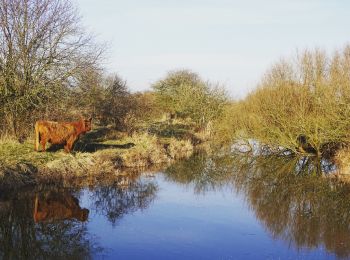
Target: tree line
x=50, y=68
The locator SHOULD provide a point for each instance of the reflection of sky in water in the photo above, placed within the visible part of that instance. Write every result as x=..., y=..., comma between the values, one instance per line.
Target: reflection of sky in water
x=222, y=207
x=179, y=224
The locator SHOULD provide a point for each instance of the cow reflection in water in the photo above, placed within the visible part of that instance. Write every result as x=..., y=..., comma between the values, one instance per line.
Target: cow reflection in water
x=54, y=206
x=45, y=236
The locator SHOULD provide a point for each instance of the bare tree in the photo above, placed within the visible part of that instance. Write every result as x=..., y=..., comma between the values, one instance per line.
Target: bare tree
x=42, y=49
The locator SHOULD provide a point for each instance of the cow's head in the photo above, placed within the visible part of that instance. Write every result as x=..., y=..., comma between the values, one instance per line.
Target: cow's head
x=87, y=124
x=83, y=215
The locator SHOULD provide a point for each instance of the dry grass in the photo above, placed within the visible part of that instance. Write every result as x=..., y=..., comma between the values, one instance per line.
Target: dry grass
x=147, y=150
x=180, y=148
x=81, y=165
x=20, y=164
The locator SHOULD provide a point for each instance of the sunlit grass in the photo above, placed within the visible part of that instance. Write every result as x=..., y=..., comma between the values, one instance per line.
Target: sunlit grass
x=109, y=152
x=12, y=152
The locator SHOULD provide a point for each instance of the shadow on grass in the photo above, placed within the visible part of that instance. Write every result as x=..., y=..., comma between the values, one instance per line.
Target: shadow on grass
x=91, y=142
x=177, y=130
x=98, y=135
x=169, y=130
x=93, y=147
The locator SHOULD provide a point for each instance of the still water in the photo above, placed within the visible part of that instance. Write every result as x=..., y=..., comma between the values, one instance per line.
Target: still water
x=219, y=207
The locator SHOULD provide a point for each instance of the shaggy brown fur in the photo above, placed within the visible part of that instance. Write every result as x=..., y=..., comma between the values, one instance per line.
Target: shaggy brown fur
x=66, y=133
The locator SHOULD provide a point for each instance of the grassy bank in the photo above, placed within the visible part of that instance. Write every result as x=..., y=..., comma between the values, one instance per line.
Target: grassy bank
x=100, y=153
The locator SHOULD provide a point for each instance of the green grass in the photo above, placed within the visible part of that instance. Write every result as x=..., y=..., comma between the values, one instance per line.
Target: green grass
x=12, y=152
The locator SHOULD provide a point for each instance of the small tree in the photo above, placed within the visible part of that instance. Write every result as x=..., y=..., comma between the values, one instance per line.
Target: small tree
x=117, y=102
x=90, y=93
x=186, y=94
x=146, y=108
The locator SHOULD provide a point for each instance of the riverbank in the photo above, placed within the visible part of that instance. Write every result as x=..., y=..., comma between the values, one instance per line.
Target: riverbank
x=102, y=152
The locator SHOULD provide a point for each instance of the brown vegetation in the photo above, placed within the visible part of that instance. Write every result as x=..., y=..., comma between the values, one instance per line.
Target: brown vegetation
x=302, y=106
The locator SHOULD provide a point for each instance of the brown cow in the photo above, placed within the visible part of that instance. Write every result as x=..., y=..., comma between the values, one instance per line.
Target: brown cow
x=58, y=206
x=66, y=133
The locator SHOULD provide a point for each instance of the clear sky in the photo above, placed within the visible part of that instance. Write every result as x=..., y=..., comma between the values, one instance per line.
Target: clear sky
x=226, y=41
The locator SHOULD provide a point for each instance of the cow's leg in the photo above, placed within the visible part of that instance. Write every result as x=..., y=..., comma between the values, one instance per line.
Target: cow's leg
x=70, y=142
x=43, y=143
x=66, y=148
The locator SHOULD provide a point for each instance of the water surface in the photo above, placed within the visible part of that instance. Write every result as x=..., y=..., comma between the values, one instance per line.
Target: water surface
x=219, y=207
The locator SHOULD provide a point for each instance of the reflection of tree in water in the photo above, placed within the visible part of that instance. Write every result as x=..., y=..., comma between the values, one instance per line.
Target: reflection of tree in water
x=293, y=202
x=21, y=238
x=303, y=209
x=205, y=173
x=59, y=233
x=116, y=201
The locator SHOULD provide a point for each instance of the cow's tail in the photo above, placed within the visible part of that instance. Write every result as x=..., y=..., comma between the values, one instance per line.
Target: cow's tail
x=37, y=136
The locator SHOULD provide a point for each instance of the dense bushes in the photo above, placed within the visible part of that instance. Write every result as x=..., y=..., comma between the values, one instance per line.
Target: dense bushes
x=301, y=106
x=185, y=94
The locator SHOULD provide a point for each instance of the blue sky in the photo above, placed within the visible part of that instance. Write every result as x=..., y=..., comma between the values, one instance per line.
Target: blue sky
x=230, y=42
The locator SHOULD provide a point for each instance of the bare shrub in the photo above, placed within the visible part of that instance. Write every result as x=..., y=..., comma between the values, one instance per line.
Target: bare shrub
x=43, y=48
x=303, y=100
